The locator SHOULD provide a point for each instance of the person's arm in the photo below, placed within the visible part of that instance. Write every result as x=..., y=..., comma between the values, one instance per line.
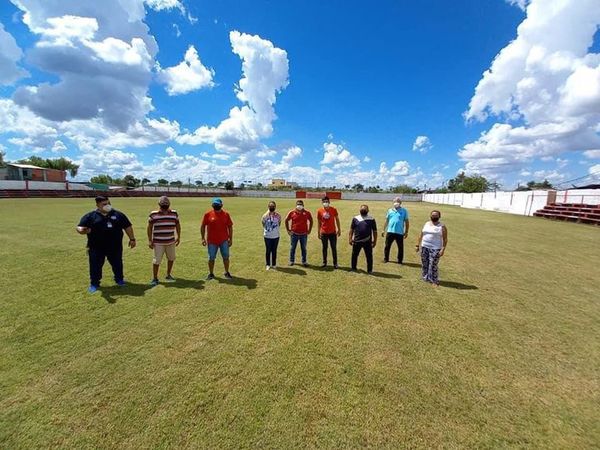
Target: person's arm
x=84, y=225
x=406, y=227
x=374, y=234
x=351, y=233
x=310, y=223
x=129, y=231
x=339, y=227
x=445, y=239
x=149, y=232
x=418, y=246
x=319, y=223
x=230, y=231
x=178, y=229
x=385, y=225
x=203, y=233
x=287, y=224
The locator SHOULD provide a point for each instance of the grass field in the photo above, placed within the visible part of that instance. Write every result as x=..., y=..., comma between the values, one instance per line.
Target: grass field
x=506, y=353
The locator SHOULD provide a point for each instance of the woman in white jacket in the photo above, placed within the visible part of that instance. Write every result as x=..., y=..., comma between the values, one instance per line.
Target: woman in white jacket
x=432, y=243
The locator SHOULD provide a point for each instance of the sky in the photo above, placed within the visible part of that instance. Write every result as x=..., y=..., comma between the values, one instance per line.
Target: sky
x=322, y=93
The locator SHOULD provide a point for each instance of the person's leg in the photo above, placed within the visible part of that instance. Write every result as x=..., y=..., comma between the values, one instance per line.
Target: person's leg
x=224, y=249
x=171, y=254
x=333, y=240
x=389, y=238
x=156, y=260
x=212, y=255
x=96, y=260
x=275, y=244
x=424, y=262
x=303, y=240
x=170, y=266
x=324, y=240
x=400, y=242
x=435, y=259
x=369, y=255
x=115, y=258
x=268, y=251
x=293, y=245
x=355, y=252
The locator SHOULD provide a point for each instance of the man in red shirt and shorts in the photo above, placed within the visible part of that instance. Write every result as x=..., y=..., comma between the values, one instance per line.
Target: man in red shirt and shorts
x=302, y=223
x=220, y=236
x=329, y=230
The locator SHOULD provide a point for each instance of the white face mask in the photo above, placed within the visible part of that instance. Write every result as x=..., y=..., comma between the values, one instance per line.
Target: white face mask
x=325, y=204
x=396, y=205
x=107, y=208
x=299, y=207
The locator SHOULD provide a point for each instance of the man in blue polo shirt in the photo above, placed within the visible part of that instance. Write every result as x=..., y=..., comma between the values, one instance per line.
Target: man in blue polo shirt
x=104, y=229
x=395, y=229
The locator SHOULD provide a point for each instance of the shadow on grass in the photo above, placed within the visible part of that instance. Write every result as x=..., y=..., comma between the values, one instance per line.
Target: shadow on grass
x=373, y=274
x=112, y=293
x=291, y=270
x=456, y=285
x=249, y=283
x=409, y=264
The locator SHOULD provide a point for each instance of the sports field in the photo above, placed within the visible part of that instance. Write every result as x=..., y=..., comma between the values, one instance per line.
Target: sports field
x=506, y=353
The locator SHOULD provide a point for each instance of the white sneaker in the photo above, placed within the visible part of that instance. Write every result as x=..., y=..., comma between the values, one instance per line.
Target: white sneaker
x=268, y=267
x=274, y=267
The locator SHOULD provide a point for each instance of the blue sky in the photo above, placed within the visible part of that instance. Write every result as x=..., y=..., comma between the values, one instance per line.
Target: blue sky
x=317, y=92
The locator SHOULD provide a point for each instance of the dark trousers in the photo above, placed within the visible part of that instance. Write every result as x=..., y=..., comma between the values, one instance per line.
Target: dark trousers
x=97, y=257
x=332, y=240
x=271, y=251
x=368, y=248
x=389, y=240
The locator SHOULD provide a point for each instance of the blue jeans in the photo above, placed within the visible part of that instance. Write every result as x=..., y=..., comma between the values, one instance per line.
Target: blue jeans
x=223, y=247
x=302, y=238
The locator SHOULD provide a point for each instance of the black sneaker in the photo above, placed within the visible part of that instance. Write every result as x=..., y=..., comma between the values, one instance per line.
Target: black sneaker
x=227, y=275
x=211, y=276
x=291, y=263
x=386, y=260
x=170, y=279
x=324, y=265
x=304, y=264
x=335, y=266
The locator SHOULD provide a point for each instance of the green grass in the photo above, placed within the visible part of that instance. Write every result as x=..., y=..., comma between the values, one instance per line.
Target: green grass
x=505, y=354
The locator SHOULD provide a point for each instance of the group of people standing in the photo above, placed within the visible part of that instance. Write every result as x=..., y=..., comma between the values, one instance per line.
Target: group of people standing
x=104, y=228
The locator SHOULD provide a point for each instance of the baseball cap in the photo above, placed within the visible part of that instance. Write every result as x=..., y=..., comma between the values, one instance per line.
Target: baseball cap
x=217, y=201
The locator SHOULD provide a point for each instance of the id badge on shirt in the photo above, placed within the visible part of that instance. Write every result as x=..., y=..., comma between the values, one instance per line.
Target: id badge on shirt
x=109, y=225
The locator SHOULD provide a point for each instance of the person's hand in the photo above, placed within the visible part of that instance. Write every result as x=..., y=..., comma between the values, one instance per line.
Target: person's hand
x=319, y=235
x=417, y=248
x=405, y=235
x=442, y=252
x=339, y=233
x=150, y=244
x=84, y=230
x=289, y=232
x=177, y=242
x=203, y=242
x=230, y=242
x=351, y=241
x=383, y=234
x=373, y=244
x=131, y=243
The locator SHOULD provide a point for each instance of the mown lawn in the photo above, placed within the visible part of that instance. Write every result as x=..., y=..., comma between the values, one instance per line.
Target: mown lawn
x=506, y=353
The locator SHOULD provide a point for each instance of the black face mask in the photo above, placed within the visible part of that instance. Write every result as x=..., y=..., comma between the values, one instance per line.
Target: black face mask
x=271, y=208
x=435, y=219
x=364, y=212
x=217, y=207
x=164, y=207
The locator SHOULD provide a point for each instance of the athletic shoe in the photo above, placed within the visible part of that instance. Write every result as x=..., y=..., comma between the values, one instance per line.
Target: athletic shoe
x=268, y=268
x=121, y=283
x=273, y=267
x=154, y=282
x=170, y=279
x=324, y=265
x=335, y=266
x=386, y=261
x=227, y=275
x=304, y=264
x=211, y=276
x=291, y=263
x=93, y=289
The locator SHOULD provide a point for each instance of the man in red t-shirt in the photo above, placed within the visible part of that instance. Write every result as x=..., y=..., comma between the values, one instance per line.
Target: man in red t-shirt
x=329, y=229
x=301, y=226
x=220, y=236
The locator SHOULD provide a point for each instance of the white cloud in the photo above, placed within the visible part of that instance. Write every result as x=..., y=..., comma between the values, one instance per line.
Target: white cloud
x=422, y=144
x=338, y=156
x=58, y=147
x=546, y=80
x=264, y=75
x=366, y=159
x=177, y=30
x=592, y=154
x=291, y=154
x=10, y=55
x=188, y=76
x=117, y=51
x=161, y=5
x=595, y=170
x=520, y=3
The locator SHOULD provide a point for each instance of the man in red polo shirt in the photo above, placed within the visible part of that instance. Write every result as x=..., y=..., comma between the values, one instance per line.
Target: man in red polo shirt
x=220, y=236
x=329, y=230
x=301, y=226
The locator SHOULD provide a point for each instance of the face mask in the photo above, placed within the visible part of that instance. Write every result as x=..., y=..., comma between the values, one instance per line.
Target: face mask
x=107, y=208
x=435, y=219
x=271, y=208
x=396, y=205
x=364, y=212
x=164, y=206
x=299, y=207
x=217, y=207
x=325, y=204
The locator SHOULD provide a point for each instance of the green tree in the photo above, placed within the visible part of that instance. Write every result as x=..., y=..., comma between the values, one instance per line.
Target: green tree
x=539, y=185
x=198, y=183
x=58, y=164
x=358, y=187
x=102, y=179
x=403, y=189
x=229, y=185
x=176, y=183
x=2, y=162
x=162, y=182
x=468, y=184
x=130, y=181
x=145, y=181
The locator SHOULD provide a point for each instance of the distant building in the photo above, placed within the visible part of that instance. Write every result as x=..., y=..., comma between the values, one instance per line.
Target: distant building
x=32, y=173
x=280, y=182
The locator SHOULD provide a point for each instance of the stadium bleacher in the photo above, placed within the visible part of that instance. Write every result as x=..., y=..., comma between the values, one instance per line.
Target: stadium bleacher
x=572, y=212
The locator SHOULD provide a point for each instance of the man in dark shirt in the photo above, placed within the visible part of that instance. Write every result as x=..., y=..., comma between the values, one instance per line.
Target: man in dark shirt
x=363, y=235
x=104, y=229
